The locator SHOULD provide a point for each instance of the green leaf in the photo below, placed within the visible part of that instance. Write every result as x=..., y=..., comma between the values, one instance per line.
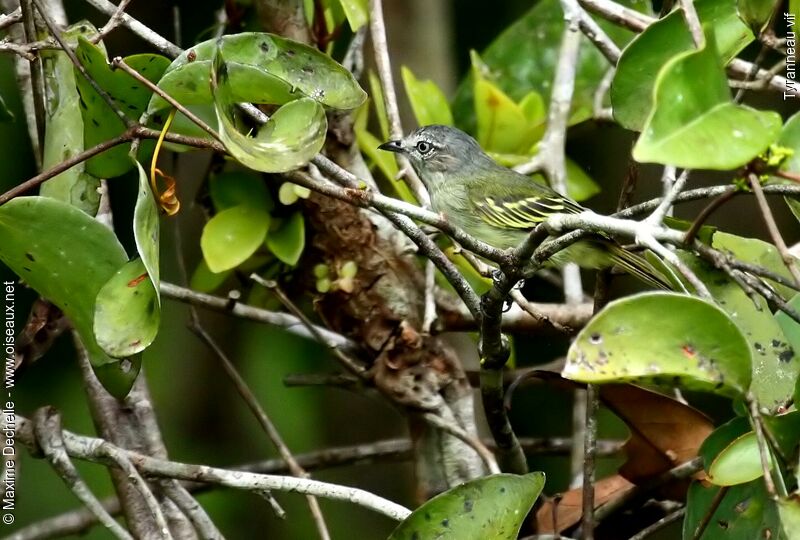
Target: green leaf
x=204, y=280
x=100, y=122
x=127, y=312
x=233, y=188
x=790, y=138
x=789, y=512
x=289, y=139
x=755, y=13
x=524, y=56
x=632, y=339
x=427, y=100
x=147, y=231
x=790, y=327
x=489, y=508
x=231, y=236
x=67, y=257
x=695, y=125
x=744, y=513
x=262, y=68
x=755, y=251
x=356, y=11
x=502, y=124
x=775, y=367
x=642, y=60
x=288, y=240
x=64, y=130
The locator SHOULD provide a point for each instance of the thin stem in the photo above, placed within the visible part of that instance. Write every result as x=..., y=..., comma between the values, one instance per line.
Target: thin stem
x=660, y=524
x=763, y=447
x=118, y=62
x=589, y=455
x=712, y=509
x=772, y=227
x=87, y=448
x=37, y=74
x=383, y=63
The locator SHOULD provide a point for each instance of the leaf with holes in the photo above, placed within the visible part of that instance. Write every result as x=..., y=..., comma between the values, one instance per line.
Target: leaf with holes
x=290, y=138
x=100, y=122
x=262, y=68
x=775, y=366
x=694, y=124
x=67, y=257
x=631, y=339
x=489, y=508
x=745, y=512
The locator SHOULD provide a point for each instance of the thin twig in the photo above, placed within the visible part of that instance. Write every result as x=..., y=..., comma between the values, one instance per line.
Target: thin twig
x=153, y=38
x=118, y=62
x=46, y=433
x=710, y=511
x=589, y=454
x=114, y=21
x=660, y=524
x=87, y=448
x=191, y=509
x=122, y=462
x=763, y=447
x=37, y=73
x=244, y=391
x=693, y=22
x=772, y=227
x=473, y=442
x=7, y=19
x=383, y=62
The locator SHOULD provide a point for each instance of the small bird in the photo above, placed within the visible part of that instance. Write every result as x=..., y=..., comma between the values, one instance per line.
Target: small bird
x=500, y=206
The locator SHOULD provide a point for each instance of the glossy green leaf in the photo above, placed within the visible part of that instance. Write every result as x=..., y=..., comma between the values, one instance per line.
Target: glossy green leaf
x=127, y=312
x=356, y=11
x=756, y=13
x=790, y=138
x=775, y=367
x=147, y=231
x=744, y=513
x=232, y=236
x=789, y=512
x=262, y=68
x=755, y=251
x=100, y=122
x=289, y=139
x=427, y=100
x=288, y=240
x=489, y=508
x=739, y=461
x=642, y=60
x=67, y=257
x=204, y=280
x=502, y=124
x=694, y=124
x=64, y=130
x=524, y=56
x=631, y=339
x=233, y=188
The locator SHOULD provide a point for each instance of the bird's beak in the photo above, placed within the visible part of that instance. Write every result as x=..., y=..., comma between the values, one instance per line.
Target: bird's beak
x=392, y=146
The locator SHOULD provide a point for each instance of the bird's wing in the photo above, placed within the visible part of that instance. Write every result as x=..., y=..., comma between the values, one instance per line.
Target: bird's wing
x=520, y=203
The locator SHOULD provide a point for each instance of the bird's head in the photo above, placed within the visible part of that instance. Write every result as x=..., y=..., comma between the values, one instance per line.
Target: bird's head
x=435, y=150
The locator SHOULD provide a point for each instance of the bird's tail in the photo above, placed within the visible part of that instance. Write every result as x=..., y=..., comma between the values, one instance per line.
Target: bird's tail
x=637, y=266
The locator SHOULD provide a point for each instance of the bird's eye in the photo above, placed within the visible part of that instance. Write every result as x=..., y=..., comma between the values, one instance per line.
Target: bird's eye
x=423, y=147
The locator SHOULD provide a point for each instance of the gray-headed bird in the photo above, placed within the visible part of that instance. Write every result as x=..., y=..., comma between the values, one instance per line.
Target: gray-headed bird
x=500, y=206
